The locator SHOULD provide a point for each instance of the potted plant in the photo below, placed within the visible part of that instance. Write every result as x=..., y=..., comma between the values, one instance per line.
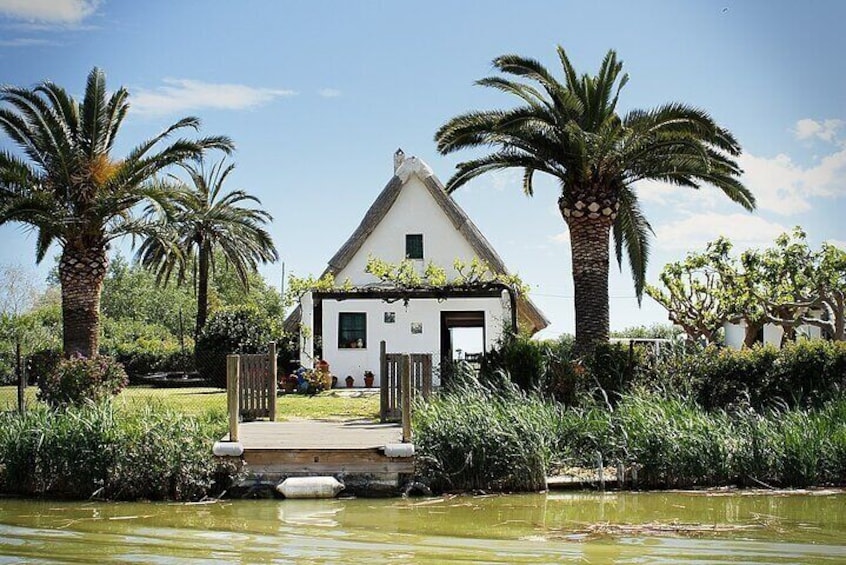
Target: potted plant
x=349, y=380
x=289, y=383
x=368, y=379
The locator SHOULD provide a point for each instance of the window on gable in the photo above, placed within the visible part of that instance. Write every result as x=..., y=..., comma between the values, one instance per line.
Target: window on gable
x=352, y=330
x=414, y=246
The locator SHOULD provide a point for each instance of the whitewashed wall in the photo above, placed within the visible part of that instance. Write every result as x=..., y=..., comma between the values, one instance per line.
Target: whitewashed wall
x=735, y=334
x=414, y=211
x=398, y=336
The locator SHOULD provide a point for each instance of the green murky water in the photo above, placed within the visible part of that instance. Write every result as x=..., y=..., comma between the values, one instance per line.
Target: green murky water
x=552, y=528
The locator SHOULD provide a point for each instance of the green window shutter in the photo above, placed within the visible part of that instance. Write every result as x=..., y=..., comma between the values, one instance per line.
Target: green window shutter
x=414, y=246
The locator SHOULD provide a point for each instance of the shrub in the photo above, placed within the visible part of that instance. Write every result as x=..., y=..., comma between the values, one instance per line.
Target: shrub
x=804, y=373
x=41, y=363
x=78, y=379
x=239, y=330
x=518, y=356
x=145, y=348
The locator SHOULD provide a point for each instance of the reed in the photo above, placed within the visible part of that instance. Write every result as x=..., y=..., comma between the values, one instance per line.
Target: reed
x=94, y=450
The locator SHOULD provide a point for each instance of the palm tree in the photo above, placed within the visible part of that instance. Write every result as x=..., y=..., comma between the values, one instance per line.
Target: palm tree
x=201, y=221
x=71, y=190
x=572, y=131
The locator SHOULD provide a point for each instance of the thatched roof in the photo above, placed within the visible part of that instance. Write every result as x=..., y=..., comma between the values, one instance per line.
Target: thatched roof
x=529, y=316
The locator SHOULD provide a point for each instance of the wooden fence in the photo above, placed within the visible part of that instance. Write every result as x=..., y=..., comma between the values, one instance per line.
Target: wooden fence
x=251, y=388
x=396, y=369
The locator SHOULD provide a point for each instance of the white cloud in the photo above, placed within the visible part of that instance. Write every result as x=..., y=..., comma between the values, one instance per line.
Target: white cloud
x=27, y=42
x=663, y=193
x=180, y=95
x=825, y=130
x=693, y=232
x=49, y=11
x=562, y=238
x=329, y=93
x=784, y=187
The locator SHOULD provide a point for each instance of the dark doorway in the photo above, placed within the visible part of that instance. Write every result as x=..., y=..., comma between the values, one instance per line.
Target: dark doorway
x=469, y=324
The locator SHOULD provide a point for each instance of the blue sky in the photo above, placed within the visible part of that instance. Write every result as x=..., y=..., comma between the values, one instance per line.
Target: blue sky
x=317, y=96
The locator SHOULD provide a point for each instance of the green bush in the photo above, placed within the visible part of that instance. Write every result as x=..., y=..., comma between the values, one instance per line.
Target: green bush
x=145, y=348
x=238, y=330
x=804, y=373
x=518, y=356
x=78, y=379
x=89, y=450
x=41, y=363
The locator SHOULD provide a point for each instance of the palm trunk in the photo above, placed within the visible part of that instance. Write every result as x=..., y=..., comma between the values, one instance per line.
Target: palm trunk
x=81, y=273
x=589, y=235
x=202, y=290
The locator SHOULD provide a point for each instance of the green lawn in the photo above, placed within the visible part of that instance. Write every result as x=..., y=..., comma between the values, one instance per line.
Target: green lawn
x=195, y=400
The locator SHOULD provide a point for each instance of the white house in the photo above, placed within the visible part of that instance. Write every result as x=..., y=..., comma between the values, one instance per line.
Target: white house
x=770, y=334
x=413, y=218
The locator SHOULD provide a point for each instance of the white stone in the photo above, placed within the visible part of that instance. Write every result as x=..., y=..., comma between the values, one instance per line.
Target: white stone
x=566, y=212
x=607, y=211
x=593, y=207
x=228, y=449
x=580, y=205
x=310, y=487
x=399, y=450
x=593, y=215
x=578, y=213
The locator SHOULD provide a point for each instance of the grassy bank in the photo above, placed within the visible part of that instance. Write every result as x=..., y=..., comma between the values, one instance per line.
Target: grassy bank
x=479, y=438
x=197, y=401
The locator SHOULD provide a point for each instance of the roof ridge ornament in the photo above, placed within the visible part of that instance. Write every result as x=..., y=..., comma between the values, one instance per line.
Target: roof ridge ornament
x=413, y=165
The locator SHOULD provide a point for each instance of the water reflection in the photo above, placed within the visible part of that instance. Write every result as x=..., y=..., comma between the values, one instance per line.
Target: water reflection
x=572, y=527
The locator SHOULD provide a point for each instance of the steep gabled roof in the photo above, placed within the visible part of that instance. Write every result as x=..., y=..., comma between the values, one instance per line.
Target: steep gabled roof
x=528, y=314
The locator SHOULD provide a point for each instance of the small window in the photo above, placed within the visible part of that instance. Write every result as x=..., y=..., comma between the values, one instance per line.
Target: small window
x=352, y=330
x=414, y=246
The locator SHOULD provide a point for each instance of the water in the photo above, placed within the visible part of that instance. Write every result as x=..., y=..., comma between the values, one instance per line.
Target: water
x=553, y=528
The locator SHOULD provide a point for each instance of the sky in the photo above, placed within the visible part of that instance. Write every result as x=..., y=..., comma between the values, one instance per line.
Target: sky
x=318, y=95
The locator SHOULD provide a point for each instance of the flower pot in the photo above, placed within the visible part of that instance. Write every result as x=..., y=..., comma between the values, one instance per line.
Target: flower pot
x=349, y=380
x=368, y=381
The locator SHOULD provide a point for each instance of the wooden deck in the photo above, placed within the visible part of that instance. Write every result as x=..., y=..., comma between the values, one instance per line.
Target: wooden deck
x=351, y=451
x=318, y=434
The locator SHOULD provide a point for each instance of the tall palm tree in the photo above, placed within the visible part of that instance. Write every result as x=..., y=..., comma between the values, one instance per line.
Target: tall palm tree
x=201, y=221
x=70, y=189
x=572, y=131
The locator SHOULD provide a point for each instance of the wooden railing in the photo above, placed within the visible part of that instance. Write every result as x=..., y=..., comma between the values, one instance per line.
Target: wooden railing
x=402, y=375
x=250, y=388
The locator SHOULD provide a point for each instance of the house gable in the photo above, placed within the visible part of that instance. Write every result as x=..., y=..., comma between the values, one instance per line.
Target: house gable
x=415, y=202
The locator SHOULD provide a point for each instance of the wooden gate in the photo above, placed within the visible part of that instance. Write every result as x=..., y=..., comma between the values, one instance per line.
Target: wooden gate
x=251, y=385
x=390, y=380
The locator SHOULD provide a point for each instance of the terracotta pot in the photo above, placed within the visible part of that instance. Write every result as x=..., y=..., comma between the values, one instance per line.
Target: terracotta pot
x=349, y=381
x=368, y=381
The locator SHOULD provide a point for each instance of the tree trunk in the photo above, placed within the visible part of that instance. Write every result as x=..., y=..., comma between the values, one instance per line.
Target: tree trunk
x=751, y=334
x=202, y=290
x=590, y=228
x=81, y=273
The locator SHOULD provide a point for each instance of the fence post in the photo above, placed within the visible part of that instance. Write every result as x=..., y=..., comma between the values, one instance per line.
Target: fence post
x=271, y=350
x=19, y=368
x=406, y=391
x=232, y=393
x=383, y=381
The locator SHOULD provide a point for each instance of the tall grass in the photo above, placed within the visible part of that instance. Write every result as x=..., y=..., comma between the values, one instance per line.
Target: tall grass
x=477, y=437
x=95, y=450
x=481, y=437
